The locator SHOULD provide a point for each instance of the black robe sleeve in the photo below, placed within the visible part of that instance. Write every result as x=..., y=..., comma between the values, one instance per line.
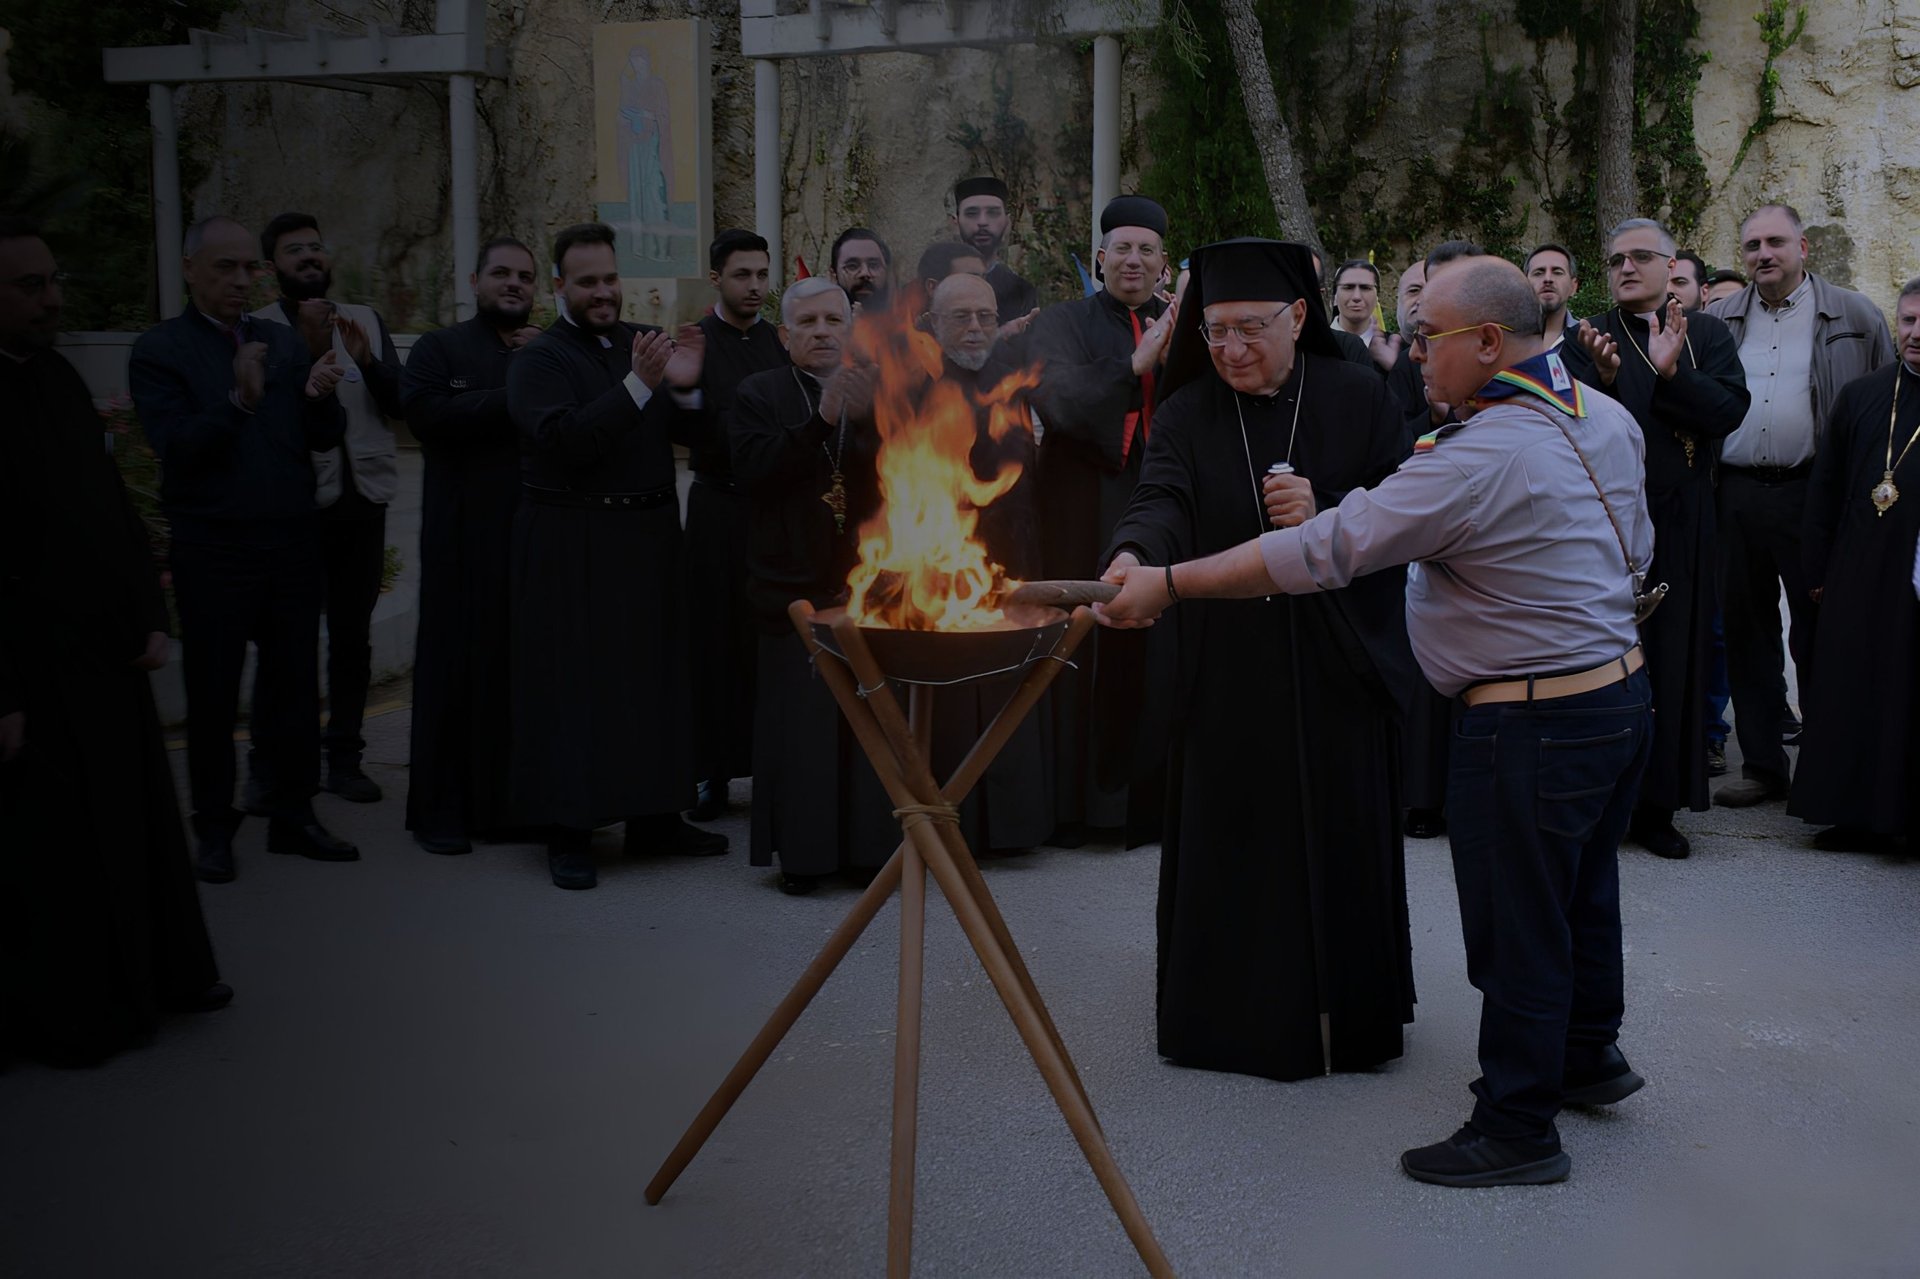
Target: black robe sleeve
x=440, y=416
x=771, y=448
x=552, y=420
x=1083, y=396
x=1159, y=526
x=1826, y=490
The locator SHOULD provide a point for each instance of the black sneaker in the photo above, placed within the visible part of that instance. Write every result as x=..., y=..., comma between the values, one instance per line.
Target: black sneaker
x=1471, y=1159
x=1609, y=1080
x=349, y=783
x=666, y=833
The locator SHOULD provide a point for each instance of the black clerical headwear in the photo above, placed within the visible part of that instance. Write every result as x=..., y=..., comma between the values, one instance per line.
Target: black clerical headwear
x=968, y=187
x=1246, y=270
x=1133, y=210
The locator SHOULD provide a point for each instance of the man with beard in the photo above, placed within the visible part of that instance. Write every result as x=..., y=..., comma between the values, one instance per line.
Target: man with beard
x=1555, y=279
x=1860, y=767
x=1532, y=511
x=1284, y=944
x=100, y=929
x=600, y=698
x=354, y=482
x=1099, y=359
x=1687, y=283
x=803, y=453
x=1680, y=377
x=980, y=219
x=861, y=264
x=233, y=407
x=739, y=344
x=454, y=393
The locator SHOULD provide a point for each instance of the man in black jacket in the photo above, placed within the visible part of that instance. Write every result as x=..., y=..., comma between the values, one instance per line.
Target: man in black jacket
x=234, y=407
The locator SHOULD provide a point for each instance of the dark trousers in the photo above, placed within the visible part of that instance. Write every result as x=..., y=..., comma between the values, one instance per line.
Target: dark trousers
x=353, y=544
x=264, y=589
x=1539, y=795
x=1760, y=550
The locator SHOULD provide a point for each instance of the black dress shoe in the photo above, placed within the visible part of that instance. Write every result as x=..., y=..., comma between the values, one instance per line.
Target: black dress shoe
x=1852, y=839
x=1655, y=833
x=1068, y=835
x=213, y=856
x=212, y=999
x=665, y=833
x=1425, y=823
x=446, y=845
x=349, y=783
x=1608, y=1080
x=710, y=802
x=800, y=885
x=307, y=837
x=570, y=862
x=1470, y=1159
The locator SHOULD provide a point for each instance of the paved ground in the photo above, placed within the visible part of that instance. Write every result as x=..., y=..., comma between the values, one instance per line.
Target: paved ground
x=444, y=1066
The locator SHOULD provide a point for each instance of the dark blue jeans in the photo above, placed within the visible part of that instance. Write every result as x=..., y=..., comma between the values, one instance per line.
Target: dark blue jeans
x=1538, y=797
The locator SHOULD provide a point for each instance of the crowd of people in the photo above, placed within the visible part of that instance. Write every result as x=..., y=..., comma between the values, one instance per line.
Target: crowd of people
x=1546, y=676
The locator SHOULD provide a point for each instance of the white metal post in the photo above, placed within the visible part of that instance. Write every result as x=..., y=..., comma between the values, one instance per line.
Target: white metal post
x=462, y=128
x=767, y=185
x=168, y=224
x=1106, y=130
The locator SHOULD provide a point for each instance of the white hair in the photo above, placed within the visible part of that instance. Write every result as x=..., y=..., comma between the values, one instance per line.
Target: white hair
x=811, y=287
x=1667, y=245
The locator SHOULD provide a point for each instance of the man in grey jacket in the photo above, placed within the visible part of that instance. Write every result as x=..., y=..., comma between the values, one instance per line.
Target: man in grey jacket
x=1801, y=339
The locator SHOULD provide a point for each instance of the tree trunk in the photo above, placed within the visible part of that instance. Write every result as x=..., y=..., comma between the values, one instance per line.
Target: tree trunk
x=1616, y=196
x=1270, y=134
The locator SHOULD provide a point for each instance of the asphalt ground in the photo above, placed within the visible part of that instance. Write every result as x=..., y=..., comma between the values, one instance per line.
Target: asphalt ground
x=444, y=1066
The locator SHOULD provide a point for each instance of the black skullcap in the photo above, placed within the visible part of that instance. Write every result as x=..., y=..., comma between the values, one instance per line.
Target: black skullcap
x=966, y=188
x=1133, y=210
x=1247, y=270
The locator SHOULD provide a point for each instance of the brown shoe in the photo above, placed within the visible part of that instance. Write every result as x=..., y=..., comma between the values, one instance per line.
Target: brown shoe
x=1747, y=792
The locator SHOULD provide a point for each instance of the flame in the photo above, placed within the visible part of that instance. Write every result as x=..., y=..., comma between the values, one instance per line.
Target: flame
x=922, y=565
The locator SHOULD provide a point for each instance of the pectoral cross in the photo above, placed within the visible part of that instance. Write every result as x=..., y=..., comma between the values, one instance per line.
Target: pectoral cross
x=1688, y=443
x=836, y=499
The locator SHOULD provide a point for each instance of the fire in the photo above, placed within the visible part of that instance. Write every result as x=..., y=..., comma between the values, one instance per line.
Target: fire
x=922, y=566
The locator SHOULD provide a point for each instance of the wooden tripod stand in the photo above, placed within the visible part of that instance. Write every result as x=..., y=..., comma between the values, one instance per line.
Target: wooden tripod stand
x=897, y=748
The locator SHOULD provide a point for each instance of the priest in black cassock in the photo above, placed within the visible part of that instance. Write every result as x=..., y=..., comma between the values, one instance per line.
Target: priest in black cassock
x=100, y=927
x=454, y=395
x=1859, y=771
x=601, y=723
x=803, y=448
x=1680, y=376
x=1099, y=358
x=1284, y=945
x=980, y=219
x=739, y=344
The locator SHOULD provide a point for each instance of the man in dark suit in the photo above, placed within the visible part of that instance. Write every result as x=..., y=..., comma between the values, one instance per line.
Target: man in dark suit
x=234, y=407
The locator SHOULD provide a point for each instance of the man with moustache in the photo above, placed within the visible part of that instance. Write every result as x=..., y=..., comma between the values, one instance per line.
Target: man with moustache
x=601, y=727
x=1801, y=339
x=739, y=344
x=234, y=407
x=980, y=219
x=1100, y=358
x=1680, y=377
x=454, y=394
x=1555, y=279
x=1687, y=284
x=100, y=928
x=354, y=482
x=861, y=264
x=803, y=453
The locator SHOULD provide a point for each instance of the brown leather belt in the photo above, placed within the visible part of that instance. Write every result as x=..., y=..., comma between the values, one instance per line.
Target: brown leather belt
x=1541, y=688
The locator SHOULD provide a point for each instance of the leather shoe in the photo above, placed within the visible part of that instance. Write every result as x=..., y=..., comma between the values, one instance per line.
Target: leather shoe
x=307, y=837
x=1655, y=833
x=1068, y=835
x=1470, y=1158
x=1425, y=823
x=210, y=1000
x=709, y=802
x=666, y=833
x=1747, y=792
x=1609, y=1080
x=800, y=885
x=213, y=856
x=570, y=862
x=349, y=783
x=446, y=845
x=1716, y=759
x=1852, y=839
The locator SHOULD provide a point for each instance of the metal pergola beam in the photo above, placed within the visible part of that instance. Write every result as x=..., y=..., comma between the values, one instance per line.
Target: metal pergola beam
x=830, y=27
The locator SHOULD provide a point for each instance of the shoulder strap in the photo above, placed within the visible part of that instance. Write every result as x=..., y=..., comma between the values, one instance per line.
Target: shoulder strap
x=1599, y=492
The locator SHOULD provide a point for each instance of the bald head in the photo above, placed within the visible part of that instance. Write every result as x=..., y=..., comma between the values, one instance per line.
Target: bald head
x=966, y=319
x=220, y=267
x=1478, y=315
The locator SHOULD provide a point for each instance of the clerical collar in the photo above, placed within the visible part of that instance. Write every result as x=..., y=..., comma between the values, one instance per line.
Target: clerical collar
x=1544, y=378
x=605, y=341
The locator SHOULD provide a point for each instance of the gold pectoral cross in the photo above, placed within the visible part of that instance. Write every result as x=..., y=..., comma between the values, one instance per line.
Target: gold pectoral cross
x=1687, y=442
x=836, y=499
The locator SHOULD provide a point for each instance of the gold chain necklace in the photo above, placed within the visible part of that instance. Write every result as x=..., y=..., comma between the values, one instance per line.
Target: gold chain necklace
x=1686, y=439
x=1886, y=493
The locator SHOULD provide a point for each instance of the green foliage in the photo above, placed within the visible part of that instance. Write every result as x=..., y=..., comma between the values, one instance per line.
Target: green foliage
x=92, y=146
x=1047, y=232
x=390, y=567
x=1778, y=38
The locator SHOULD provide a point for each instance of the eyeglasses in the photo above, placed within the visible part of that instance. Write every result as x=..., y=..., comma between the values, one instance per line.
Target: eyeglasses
x=301, y=250
x=1248, y=331
x=34, y=285
x=969, y=319
x=1641, y=257
x=1421, y=340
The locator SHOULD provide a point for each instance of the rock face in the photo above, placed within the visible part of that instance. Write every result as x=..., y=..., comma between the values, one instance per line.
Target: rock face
x=878, y=140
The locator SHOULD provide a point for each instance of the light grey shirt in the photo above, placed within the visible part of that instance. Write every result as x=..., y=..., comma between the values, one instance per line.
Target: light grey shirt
x=1777, y=353
x=1519, y=570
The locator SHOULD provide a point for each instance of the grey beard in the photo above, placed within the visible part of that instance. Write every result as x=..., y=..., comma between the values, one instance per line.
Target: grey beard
x=971, y=361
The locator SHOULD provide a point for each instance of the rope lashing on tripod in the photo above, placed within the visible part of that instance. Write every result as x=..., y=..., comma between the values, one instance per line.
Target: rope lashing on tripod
x=912, y=815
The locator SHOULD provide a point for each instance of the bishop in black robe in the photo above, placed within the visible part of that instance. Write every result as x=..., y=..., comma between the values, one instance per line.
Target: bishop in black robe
x=721, y=628
x=100, y=925
x=454, y=390
x=1860, y=759
x=1683, y=418
x=1282, y=882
